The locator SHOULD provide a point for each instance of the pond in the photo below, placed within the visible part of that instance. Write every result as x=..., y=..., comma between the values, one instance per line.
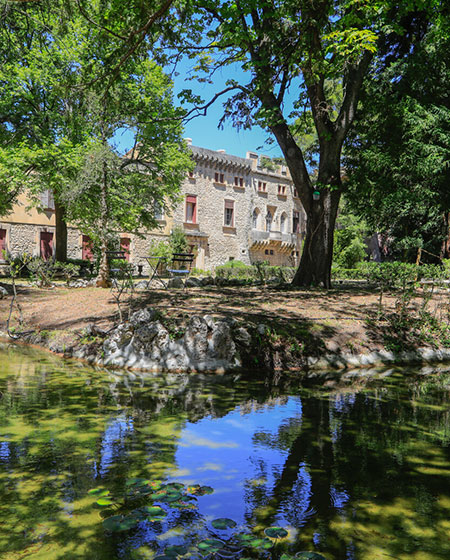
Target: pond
x=98, y=464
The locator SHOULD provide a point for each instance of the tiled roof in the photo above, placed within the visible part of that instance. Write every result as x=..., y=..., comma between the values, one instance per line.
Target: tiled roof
x=221, y=158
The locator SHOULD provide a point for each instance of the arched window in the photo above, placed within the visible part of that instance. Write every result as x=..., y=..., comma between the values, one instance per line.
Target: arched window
x=283, y=223
x=255, y=218
x=269, y=220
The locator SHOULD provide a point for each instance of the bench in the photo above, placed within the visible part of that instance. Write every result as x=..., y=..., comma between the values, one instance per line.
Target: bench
x=181, y=264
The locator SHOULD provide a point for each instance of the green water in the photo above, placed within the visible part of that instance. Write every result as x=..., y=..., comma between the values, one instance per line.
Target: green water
x=355, y=470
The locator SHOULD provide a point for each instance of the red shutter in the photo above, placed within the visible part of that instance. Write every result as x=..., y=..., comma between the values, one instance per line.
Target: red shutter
x=193, y=201
x=2, y=243
x=125, y=246
x=46, y=245
x=86, y=248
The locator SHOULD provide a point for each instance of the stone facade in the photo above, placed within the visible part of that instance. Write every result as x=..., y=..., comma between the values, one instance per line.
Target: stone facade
x=232, y=209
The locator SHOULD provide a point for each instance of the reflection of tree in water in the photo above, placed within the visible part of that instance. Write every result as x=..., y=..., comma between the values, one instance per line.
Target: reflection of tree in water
x=68, y=428
x=355, y=458
x=369, y=456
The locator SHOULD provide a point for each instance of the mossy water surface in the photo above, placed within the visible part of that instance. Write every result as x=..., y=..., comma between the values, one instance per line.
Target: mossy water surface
x=356, y=470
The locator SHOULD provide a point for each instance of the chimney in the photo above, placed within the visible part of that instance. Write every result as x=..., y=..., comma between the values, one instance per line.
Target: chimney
x=221, y=151
x=188, y=141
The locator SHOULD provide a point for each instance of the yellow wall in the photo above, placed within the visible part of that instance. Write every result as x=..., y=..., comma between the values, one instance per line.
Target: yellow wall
x=22, y=214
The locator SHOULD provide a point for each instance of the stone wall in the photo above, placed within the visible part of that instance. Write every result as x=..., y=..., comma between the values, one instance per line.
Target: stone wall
x=212, y=183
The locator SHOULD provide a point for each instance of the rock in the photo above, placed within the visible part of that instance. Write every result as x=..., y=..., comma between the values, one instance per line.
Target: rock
x=175, y=283
x=3, y=292
x=192, y=282
x=142, y=317
x=78, y=283
x=93, y=330
x=149, y=335
x=145, y=343
x=141, y=285
x=207, y=281
x=261, y=328
x=222, y=342
x=242, y=337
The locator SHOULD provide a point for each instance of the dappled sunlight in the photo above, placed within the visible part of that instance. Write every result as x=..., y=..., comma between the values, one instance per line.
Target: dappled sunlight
x=359, y=470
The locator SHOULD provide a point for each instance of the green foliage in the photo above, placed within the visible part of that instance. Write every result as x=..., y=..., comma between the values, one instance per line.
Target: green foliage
x=398, y=157
x=349, y=240
x=178, y=240
x=44, y=272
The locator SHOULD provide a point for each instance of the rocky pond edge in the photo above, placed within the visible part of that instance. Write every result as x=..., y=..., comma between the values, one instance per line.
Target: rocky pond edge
x=206, y=345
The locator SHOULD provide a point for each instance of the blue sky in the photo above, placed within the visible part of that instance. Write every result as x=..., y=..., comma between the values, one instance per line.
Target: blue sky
x=203, y=130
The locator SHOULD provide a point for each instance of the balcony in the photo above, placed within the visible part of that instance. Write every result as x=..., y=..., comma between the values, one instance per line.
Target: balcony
x=266, y=238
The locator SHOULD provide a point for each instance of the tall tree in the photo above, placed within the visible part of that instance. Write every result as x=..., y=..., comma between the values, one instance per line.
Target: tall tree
x=291, y=48
x=53, y=56
x=110, y=193
x=398, y=155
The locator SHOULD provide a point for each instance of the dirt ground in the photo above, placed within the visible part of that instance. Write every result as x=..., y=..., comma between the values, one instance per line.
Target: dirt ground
x=338, y=319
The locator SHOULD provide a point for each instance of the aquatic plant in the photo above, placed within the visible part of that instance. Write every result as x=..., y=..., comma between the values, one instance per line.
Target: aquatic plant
x=152, y=502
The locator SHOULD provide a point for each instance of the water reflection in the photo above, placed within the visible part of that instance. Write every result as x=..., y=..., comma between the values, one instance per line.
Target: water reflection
x=359, y=471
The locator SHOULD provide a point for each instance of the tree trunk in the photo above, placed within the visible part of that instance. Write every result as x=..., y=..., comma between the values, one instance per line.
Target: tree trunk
x=60, y=233
x=103, y=278
x=317, y=255
x=445, y=248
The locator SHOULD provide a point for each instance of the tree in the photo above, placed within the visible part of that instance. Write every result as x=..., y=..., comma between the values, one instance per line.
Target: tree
x=398, y=156
x=110, y=193
x=53, y=55
x=294, y=48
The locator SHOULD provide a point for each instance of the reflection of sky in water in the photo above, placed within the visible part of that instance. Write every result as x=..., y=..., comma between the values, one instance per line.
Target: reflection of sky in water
x=296, y=509
x=338, y=497
x=113, y=441
x=234, y=458
x=340, y=403
x=4, y=451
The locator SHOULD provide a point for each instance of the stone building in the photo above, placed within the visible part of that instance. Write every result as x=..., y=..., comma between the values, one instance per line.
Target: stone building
x=232, y=209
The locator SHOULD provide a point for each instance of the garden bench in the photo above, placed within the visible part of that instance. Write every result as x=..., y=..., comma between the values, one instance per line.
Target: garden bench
x=181, y=264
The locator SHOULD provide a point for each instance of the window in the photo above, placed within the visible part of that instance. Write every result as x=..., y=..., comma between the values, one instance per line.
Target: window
x=47, y=200
x=283, y=223
x=296, y=222
x=2, y=243
x=125, y=243
x=219, y=178
x=239, y=181
x=269, y=220
x=262, y=187
x=46, y=245
x=87, y=253
x=191, y=209
x=255, y=218
x=190, y=174
x=228, y=218
x=158, y=211
x=282, y=190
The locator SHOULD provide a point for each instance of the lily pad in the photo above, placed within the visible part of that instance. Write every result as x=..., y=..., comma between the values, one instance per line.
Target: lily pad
x=175, y=550
x=174, y=486
x=276, y=532
x=119, y=523
x=149, y=513
x=307, y=555
x=103, y=502
x=198, y=490
x=223, y=523
x=256, y=543
x=137, y=482
x=210, y=546
x=98, y=492
x=167, y=495
x=183, y=505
